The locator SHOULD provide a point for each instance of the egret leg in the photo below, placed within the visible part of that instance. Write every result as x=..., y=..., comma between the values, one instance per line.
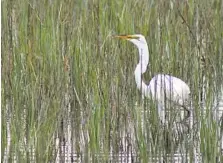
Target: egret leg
x=186, y=109
x=161, y=112
x=188, y=113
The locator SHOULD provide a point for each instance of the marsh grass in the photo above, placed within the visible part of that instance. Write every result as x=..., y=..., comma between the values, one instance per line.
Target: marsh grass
x=68, y=91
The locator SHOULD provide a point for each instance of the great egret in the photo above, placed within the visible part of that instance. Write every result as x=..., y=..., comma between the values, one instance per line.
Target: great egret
x=162, y=87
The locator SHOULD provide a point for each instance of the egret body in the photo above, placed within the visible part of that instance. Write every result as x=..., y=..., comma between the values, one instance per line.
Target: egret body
x=162, y=87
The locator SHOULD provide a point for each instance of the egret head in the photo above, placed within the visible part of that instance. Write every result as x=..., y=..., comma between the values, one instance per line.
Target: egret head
x=137, y=39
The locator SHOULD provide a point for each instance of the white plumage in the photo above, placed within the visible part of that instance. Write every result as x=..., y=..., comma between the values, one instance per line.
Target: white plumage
x=162, y=87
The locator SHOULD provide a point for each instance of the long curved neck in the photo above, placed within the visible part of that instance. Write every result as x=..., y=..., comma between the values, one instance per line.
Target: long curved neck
x=141, y=68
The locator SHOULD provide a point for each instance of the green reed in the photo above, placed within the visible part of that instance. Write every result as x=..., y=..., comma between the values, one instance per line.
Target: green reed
x=63, y=73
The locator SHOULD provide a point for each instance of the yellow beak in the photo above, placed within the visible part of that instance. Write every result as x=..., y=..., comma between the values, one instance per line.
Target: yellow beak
x=126, y=37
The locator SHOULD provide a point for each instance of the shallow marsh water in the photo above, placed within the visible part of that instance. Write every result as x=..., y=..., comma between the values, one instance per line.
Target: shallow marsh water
x=68, y=90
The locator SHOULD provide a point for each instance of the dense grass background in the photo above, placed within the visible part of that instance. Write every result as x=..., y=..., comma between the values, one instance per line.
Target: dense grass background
x=68, y=87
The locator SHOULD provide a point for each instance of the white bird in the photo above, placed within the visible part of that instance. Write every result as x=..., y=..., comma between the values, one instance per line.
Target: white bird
x=162, y=87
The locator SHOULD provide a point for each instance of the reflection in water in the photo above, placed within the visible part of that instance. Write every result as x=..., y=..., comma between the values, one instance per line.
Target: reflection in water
x=174, y=135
